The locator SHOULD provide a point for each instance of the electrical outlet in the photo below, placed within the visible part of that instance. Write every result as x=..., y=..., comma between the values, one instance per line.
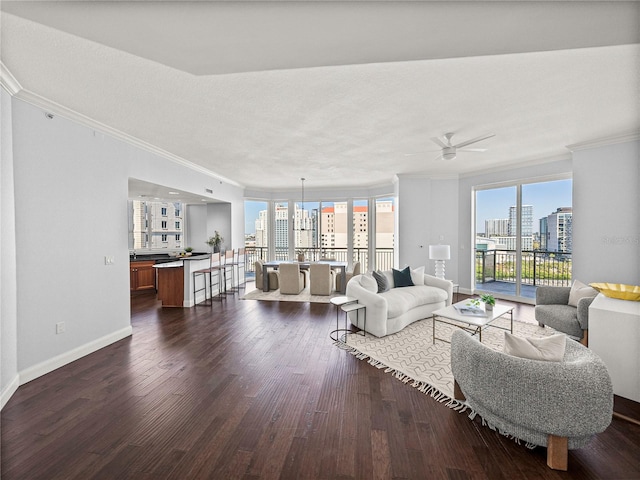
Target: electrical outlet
x=109, y=260
x=60, y=328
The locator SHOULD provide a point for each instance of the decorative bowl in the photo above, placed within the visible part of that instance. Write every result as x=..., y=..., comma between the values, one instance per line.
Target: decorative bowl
x=618, y=290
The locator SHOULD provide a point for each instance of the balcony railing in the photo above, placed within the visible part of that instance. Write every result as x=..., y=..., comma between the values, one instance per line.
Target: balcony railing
x=383, y=260
x=538, y=267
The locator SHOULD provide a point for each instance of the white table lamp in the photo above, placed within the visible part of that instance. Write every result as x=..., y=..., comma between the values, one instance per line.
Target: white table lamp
x=439, y=253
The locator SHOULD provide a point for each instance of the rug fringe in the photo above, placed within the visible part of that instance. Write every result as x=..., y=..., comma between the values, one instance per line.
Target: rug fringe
x=423, y=387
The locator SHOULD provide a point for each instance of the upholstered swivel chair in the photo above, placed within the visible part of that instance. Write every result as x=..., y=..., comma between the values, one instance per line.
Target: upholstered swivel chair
x=292, y=280
x=553, y=309
x=348, y=276
x=322, y=279
x=274, y=283
x=558, y=405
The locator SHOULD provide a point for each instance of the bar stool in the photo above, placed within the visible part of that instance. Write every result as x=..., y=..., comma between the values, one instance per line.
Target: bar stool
x=206, y=274
x=238, y=263
x=217, y=271
x=229, y=271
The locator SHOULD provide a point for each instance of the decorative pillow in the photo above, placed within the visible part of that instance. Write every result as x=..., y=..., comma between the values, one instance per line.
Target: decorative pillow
x=402, y=278
x=548, y=349
x=580, y=290
x=369, y=283
x=417, y=276
x=383, y=284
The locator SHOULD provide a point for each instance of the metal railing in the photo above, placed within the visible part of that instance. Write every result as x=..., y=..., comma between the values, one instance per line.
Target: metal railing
x=383, y=260
x=538, y=267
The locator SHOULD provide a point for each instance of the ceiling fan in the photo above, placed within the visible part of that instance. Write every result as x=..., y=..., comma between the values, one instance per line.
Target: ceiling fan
x=449, y=151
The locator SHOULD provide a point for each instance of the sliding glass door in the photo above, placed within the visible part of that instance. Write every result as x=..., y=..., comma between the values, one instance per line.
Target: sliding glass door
x=523, y=238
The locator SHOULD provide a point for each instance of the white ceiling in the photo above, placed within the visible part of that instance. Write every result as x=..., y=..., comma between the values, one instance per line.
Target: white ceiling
x=345, y=94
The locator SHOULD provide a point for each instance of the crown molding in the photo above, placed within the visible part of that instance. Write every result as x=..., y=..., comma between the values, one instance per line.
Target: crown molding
x=519, y=164
x=12, y=86
x=605, y=141
x=8, y=81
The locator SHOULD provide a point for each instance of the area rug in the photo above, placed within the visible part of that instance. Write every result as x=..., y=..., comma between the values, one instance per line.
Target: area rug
x=411, y=356
x=276, y=296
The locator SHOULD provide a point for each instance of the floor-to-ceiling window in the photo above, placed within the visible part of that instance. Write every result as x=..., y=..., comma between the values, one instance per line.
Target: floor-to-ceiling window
x=385, y=227
x=523, y=237
x=344, y=230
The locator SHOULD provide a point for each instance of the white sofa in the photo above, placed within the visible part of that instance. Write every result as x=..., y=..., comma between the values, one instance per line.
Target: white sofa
x=389, y=312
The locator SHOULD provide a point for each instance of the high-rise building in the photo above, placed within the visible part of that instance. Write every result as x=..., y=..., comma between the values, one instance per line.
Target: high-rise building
x=544, y=233
x=560, y=230
x=527, y=221
x=157, y=225
x=496, y=227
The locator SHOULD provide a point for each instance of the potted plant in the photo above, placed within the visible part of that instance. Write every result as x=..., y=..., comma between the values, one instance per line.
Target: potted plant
x=188, y=251
x=215, y=241
x=489, y=301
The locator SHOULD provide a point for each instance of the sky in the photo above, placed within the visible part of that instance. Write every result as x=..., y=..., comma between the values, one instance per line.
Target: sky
x=545, y=197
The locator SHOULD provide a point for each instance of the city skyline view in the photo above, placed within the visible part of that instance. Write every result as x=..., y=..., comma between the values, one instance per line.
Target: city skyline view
x=544, y=197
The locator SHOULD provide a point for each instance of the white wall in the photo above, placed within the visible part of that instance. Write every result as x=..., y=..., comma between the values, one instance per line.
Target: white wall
x=219, y=218
x=71, y=210
x=196, y=221
x=606, y=214
x=427, y=215
x=9, y=379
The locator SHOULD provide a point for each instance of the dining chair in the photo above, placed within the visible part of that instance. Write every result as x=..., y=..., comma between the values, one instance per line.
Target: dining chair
x=291, y=279
x=322, y=279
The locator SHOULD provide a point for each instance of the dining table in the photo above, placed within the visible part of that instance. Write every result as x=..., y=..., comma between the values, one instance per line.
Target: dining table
x=339, y=267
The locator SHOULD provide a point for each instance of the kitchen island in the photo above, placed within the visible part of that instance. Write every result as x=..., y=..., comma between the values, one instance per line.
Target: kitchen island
x=175, y=280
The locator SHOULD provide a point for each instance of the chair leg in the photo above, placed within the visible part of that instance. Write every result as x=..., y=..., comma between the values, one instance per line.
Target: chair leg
x=557, y=453
x=541, y=324
x=585, y=338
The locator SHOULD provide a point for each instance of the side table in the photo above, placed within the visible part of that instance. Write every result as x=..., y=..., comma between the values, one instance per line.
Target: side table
x=356, y=307
x=340, y=302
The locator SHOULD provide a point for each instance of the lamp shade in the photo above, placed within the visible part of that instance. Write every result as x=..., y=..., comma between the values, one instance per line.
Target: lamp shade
x=439, y=252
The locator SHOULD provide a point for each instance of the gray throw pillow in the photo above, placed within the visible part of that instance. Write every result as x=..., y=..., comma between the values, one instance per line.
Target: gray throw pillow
x=402, y=278
x=383, y=284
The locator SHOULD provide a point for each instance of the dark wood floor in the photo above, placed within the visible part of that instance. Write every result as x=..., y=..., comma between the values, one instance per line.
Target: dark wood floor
x=250, y=390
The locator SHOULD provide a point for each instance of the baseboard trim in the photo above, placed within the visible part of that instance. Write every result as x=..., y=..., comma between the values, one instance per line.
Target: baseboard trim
x=9, y=390
x=63, y=359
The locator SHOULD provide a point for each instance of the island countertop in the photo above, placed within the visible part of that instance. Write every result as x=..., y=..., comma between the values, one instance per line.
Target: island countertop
x=180, y=263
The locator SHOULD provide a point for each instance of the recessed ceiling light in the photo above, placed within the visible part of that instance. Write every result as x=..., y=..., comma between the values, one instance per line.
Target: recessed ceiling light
x=174, y=193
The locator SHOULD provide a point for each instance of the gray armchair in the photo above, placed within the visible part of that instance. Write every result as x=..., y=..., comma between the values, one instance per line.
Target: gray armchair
x=553, y=309
x=559, y=405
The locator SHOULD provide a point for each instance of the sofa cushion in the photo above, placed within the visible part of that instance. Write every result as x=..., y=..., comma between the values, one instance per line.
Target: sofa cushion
x=549, y=349
x=381, y=280
x=401, y=300
x=580, y=290
x=402, y=278
x=417, y=276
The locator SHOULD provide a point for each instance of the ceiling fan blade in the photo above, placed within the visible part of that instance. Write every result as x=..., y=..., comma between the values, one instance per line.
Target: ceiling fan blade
x=439, y=142
x=474, y=140
x=471, y=149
